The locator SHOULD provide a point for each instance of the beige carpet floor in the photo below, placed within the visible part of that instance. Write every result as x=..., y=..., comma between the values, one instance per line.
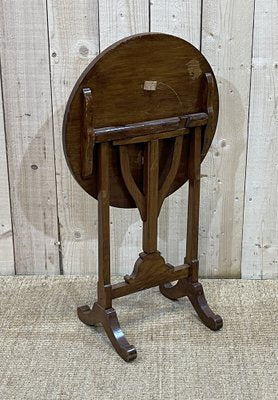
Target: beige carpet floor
x=47, y=353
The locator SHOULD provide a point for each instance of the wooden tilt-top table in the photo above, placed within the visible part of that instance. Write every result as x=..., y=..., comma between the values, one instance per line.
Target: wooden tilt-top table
x=137, y=126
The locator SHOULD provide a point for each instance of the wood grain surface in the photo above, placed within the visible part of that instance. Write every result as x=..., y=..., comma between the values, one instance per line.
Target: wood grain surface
x=116, y=78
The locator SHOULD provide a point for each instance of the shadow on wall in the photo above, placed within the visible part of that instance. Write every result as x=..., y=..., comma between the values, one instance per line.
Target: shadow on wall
x=78, y=211
x=38, y=199
x=222, y=190
x=36, y=192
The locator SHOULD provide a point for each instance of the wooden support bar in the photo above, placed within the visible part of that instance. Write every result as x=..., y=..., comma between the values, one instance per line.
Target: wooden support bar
x=123, y=288
x=103, y=227
x=152, y=136
x=151, y=168
x=88, y=133
x=111, y=133
x=193, y=203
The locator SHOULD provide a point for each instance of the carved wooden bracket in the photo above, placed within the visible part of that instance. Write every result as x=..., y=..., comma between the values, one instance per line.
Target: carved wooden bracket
x=149, y=270
x=130, y=183
x=210, y=90
x=208, y=104
x=88, y=135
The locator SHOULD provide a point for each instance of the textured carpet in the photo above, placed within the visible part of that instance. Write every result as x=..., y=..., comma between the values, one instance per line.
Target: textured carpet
x=47, y=353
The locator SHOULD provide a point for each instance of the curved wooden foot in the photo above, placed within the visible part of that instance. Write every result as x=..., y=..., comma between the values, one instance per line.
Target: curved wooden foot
x=195, y=293
x=109, y=320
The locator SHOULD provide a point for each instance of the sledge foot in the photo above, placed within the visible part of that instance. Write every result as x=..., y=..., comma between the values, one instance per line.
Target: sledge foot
x=109, y=320
x=195, y=293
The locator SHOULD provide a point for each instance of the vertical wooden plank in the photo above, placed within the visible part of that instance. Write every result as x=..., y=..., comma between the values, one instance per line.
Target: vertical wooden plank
x=6, y=241
x=260, y=234
x=121, y=18
x=180, y=18
x=118, y=19
x=74, y=42
x=28, y=116
x=226, y=42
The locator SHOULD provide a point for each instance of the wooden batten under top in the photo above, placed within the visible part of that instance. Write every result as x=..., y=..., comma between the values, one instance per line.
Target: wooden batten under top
x=166, y=125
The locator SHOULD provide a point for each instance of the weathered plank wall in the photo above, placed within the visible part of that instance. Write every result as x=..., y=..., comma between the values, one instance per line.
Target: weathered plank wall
x=260, y=229
x=227, y=43
x=48, y=225
x=29, y=135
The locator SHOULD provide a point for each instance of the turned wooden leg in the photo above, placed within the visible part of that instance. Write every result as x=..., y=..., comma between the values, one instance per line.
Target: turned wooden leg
x=109, y=320
x=195, y=293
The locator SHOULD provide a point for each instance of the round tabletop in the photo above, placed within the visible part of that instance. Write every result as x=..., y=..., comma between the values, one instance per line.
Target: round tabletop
x=141, y=78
